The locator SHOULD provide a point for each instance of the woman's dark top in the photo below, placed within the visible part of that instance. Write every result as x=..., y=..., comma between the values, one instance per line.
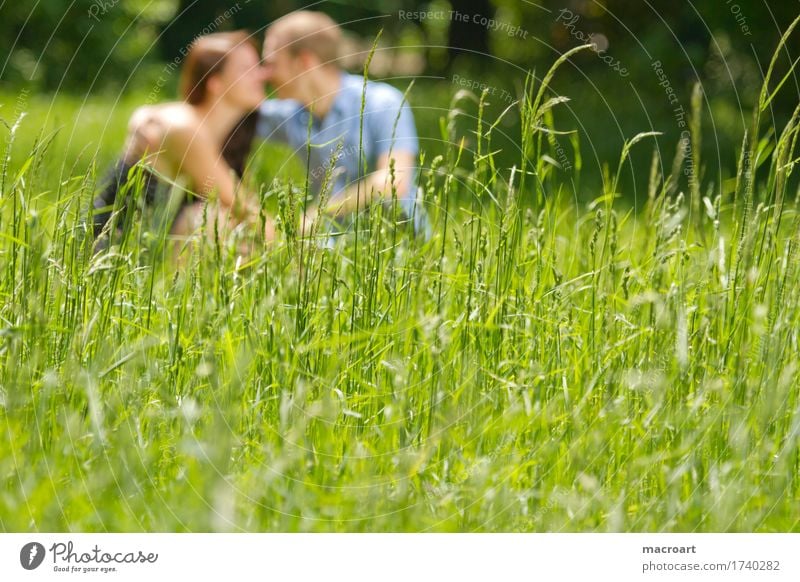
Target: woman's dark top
x=115, y=181
x=235, y=151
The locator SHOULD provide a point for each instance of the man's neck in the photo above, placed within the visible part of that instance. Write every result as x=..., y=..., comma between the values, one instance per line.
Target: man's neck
x=322, y=91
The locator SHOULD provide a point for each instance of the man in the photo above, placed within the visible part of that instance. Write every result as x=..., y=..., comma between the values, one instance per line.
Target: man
x=301, y=53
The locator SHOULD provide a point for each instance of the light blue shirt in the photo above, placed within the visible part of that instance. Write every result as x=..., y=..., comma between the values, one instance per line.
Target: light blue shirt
x=388, y=125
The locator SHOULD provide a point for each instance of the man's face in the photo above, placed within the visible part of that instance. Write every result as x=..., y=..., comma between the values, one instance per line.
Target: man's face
x=281, y=68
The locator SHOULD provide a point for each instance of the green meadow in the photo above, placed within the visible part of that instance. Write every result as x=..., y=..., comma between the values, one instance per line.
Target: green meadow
x=549, y=359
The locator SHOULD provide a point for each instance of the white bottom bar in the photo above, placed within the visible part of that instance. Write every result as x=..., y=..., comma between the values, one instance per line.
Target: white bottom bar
x=400, y=557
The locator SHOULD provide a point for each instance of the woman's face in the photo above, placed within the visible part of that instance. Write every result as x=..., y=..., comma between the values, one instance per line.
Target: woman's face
x=242, y=78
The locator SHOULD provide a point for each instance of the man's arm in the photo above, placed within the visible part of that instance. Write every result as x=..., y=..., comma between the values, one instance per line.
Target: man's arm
x=375, y=187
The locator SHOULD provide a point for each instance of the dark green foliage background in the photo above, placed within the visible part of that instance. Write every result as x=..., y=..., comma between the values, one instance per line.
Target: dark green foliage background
x=56, y=47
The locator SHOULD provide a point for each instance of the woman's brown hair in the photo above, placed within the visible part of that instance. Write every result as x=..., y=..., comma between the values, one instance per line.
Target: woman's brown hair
x=206, y=57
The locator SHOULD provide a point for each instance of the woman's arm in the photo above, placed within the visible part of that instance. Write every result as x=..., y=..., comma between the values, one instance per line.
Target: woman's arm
x=195, y=155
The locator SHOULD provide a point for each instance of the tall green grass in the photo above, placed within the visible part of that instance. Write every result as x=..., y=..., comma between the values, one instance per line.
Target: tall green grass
x=534, y=366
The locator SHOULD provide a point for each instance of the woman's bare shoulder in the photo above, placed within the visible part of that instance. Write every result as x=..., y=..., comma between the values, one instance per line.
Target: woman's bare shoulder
x=166, y=128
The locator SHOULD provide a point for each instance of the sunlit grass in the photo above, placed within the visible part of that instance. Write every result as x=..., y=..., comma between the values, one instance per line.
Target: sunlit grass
x=537, y=365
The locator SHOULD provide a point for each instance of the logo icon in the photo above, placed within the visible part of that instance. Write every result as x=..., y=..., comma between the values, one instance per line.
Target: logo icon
x=32, y=555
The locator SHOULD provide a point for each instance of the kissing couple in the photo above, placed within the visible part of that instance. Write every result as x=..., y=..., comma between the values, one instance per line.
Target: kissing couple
x=364, y=131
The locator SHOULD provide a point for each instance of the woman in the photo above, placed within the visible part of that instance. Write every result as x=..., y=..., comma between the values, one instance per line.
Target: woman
x=222, y=83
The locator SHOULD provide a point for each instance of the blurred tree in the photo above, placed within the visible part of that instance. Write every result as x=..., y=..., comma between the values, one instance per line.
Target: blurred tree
x=194, y=17
x=80, y=44
x=467, y=33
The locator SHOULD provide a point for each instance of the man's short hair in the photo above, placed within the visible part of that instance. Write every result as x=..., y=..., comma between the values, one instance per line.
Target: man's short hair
x=306, y=30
